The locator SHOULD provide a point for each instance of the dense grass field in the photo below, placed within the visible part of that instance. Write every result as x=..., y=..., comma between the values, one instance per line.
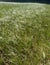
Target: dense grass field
x=24, y=34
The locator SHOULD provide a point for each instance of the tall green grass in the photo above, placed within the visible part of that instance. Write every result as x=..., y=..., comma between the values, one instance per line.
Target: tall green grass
x=24, y=34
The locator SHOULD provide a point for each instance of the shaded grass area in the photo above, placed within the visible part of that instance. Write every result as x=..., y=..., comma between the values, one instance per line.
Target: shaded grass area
x=24, y=34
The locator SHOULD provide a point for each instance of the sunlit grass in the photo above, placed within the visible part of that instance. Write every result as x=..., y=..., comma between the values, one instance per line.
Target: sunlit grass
x=24, y=34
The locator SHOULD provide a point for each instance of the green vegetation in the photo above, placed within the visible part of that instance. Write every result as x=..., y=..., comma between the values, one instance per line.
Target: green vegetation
x=24, y=34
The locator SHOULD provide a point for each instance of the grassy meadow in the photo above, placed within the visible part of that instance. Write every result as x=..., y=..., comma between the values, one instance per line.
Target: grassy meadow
x=24, y=34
